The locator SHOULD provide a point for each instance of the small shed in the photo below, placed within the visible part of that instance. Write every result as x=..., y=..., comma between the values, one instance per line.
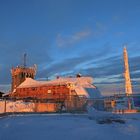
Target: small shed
x=1, y=93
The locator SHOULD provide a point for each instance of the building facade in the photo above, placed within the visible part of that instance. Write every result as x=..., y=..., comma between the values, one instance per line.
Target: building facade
x=20, y=73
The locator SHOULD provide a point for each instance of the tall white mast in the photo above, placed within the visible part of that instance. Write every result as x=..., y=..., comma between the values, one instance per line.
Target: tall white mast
x=128, y=86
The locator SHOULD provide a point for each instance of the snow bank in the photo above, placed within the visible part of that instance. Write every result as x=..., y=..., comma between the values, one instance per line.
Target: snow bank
x=104, y=116
x=21, y=106
x=18, y=106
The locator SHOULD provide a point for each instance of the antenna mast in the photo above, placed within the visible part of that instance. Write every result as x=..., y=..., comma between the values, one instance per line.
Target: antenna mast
x=128, y=86
x=24, y=60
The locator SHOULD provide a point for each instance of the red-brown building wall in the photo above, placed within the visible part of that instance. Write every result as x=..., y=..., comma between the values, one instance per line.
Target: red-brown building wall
x=43, y=92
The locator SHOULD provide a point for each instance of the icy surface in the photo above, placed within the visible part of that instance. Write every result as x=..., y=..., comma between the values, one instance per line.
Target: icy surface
x=67, y=127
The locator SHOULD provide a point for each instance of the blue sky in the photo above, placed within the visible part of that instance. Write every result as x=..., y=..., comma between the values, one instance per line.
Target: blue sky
x=64, y=37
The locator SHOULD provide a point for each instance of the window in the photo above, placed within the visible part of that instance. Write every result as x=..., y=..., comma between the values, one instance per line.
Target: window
x=33, y=88
x=49, y=91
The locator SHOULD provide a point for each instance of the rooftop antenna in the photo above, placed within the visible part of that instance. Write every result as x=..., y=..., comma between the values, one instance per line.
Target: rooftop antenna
x=24, y=60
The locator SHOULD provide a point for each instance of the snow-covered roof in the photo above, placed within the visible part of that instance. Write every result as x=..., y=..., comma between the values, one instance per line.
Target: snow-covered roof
x=6, y=94
x=83, y=81
x=29, y=82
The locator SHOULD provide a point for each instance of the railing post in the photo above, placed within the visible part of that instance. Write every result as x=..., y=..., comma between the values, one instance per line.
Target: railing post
x=5, y=105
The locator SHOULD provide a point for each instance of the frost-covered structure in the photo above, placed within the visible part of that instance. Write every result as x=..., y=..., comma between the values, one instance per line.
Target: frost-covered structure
x=60, y=87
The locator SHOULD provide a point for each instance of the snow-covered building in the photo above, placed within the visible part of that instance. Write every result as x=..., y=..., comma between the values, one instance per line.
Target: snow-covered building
x=60, y=88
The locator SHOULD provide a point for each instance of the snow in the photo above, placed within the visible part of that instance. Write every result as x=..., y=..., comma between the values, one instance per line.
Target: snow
x=66, y=127
x=101, y=115
x=29, y=82
x=21, y=106
x=17, y=106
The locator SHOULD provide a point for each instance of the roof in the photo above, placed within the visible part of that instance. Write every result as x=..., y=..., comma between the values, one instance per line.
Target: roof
x=83, y=81
x=6, y=94
x=1, y=92
x=29, y=82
